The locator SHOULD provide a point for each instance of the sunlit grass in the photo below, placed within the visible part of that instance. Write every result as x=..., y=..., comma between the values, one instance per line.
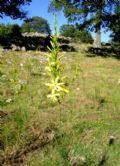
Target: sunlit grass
x=90, y=112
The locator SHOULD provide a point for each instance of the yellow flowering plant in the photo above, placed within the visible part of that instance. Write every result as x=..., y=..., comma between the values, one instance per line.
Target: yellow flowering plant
x=56, y=86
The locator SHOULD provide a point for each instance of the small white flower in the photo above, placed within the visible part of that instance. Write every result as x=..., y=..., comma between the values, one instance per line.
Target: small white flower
x=44, y=74
x=8, y=100
x=3, y=76
x=21, y=82
x=21, y=64
x=119, y=81
x=78, y=89
x=8, y=62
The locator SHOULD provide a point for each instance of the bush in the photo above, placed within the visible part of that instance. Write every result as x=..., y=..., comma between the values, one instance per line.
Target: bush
x=67, y=30
x=77, y=34
x=16, y=30
x=5, y=30
x=84, y=36
x=36, y=24
x=10, y=30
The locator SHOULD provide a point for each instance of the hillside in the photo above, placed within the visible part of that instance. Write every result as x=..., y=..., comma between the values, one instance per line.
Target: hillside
x=82, y=130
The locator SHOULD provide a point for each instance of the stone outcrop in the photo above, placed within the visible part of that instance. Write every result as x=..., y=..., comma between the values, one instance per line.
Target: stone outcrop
x=33, y=41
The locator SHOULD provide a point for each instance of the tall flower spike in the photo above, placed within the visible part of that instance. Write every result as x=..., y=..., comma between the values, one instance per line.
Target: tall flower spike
x=56, y=86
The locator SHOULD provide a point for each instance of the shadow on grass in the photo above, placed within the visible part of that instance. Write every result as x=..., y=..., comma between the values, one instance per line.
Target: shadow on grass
x=40, y=43
x=104, y=52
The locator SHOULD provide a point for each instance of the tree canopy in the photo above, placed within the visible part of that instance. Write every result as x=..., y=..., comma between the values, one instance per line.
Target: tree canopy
x=70, y=30
x=67, y=30
x=10, y=30
x=13, y=8
x=90, y=13
x=115, y=26
x=36, y=24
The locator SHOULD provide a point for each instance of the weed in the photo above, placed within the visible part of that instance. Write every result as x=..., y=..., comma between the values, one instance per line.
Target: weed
x=56, y=86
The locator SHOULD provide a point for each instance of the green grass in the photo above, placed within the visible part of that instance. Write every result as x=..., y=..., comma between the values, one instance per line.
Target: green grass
x=82, y=123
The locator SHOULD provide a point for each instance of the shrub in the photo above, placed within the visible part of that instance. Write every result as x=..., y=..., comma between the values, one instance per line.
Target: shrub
x=5, y=30
x=10, y=30
x=76, y=33
x=36, y=24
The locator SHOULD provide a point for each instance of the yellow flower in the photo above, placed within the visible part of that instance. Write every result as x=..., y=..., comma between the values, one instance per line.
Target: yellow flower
x=56, y=85
x=54, y=97
x=56, y=88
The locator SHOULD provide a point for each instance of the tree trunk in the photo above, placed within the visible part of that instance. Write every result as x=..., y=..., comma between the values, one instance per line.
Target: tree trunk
x=98, y=21
x=97, y=41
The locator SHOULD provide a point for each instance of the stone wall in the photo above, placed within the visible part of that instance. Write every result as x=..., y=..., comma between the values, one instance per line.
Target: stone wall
x=33, y=41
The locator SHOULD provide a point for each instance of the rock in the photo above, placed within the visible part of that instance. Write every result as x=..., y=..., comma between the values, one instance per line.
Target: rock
x=15, y=48
x=1, y=49
x=67, y=47
x=2, y=114
x=77, y=160
x=34, y=34
x=23, y=49
x=111, y=140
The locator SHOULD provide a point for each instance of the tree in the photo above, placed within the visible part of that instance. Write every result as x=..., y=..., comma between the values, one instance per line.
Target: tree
x=10, y=30
x=36, y=24
x=83, y=35
x=13, y=8
x=70, y=30
x=5, y=30
x=90, y=13
x=16, y=30
x=67, y=30
x=115, y=26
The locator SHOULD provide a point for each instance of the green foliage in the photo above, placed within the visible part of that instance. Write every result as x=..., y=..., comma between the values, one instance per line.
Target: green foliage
x=10, y=30
x=7, y=133
x=13, y=8
x=88, y=13
x=5, y=30
x=36, y=24
x=90, y=112
x=73, y=31
x=14, y=80
x=67, y=30
x=26, y=27
x=76, y=72
x=56, y=86
x=16, y=30
x=84, y=36
x=92, y=14
x=115, y=26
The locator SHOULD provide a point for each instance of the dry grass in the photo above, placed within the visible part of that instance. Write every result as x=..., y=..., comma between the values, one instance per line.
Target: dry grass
x=82, y=123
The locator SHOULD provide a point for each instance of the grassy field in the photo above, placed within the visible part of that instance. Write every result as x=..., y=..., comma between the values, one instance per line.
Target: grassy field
x=82, y=130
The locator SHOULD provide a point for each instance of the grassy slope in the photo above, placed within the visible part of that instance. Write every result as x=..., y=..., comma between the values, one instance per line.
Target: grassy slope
x=82, y=123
